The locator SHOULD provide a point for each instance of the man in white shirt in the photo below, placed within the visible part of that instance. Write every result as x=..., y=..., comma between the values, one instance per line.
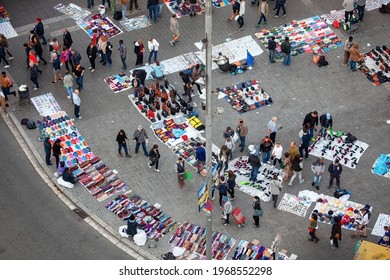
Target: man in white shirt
x=153, y=49
x=348, y=5
x=240, y=19
x=272, y=128
x=363, y=221
x=77, y=102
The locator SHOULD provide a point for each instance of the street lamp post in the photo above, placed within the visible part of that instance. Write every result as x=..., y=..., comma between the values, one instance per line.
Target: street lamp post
x=209, y=119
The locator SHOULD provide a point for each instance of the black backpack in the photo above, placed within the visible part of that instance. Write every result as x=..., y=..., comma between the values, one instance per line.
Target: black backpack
x=31, y=125
x=168, y=256
x=322, y=61
x=118, y=15
x=350, y=138
x=24, y=121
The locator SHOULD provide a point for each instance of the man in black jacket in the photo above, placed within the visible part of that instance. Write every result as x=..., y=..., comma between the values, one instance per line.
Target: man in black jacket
x=271, y=47
x=335, y=169
x=67, y=39
x=39, y=30
x=286, y=50
x=254, y=161
x=326, y=122
x=311, y=120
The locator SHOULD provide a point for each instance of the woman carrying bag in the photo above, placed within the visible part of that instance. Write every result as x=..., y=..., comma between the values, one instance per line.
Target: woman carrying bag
x=121, y=139
x=154, y=156
x=258, y=212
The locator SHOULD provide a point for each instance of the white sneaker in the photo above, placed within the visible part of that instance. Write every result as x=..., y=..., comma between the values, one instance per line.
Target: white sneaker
x=90, y=68
x=301, y=181
x=68, y=97
x=7, y=66
x=158, y=170
x=93, y=70
x=11, y=58
x=149, y=165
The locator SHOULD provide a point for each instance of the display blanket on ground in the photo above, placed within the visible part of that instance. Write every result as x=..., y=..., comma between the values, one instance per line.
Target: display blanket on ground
x=118, y=82
x=179, y=63
x=7, y=30
x=242, y=169
x=329, y=207
x=376, y=65
x=294, y=204
x=134, y=23
x=151, y=219
x=235, y=50
x=375, y=4
x=183, y=9
x=104, y=26
x=332, y=147
x=246, y=96
x=383, y=220
x=222, y=3
x=3, y=14
x=311, y=35
x=73, y=11
x=381, y=166
x=46, y=104
x=193, y=239
x=253, y=250
x=334, y=15
x=148, y=69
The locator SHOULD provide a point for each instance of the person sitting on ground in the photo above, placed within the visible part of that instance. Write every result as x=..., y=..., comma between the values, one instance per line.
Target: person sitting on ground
x=67, y=176
x=385, y=239
x=157, y=72
x=362, y=221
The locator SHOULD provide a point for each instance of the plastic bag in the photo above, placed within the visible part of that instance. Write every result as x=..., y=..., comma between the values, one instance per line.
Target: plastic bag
x=140, y=238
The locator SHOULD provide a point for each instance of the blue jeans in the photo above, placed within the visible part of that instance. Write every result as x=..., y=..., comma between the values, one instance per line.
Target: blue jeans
x=240, y=21
x=109, y=60
x=159, y=9
x=123, y=59
x=153, y=9
x=90, y=3
x=271, y=56
x=286, y=59
x=265, y=156
x=123, y=11
x=70, y=91
x=150, y=56
x=242, y=142
x=317, y=180
x=44, y=42
x=143, y=148
x=352, y=65
x=103, y=57
x=254, y=172
x=108, y=3
x=306, y=148
x=76, y=111
x=262, y=16
x=124, y=146
x=80, y=82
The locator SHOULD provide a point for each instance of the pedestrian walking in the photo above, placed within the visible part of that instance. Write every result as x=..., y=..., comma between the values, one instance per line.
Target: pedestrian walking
x=77, y=102
x=296, y=165
x=68, y=84
x=293, y=150
x=39, y=30
x=78, y=73
x=280, y=4
x=275, y=188
x=286, y=50
x=102, y=46
x=75, y=57
x=90, y=3
x=65, y=58
x=2, y=56
x=67, y=39
x=347, y=46
x=222, y=189
x=227, y=210
x=92, y=54
x=288, y=172
x=326, y=122
x=224, y=155
x=123, y=53
x=266, y=146
x=361, y=4
x=228, y=133
x=174, y=27
x=34, y=75
x=180, y=170
x=271, y=48
x=335, y=234
x=348, y=6
x=154, y=157
x=139, y=139
x=153, y=49
x=263, y=10
x=56, y=68
x=312, y=228
x=4, y=43
x=318, y=168
x=193, y=5
x=355, y=56
x=121, y=139
x=231, y=184
x=39, y=50
x=255, y=162
x=335, y=169
x=48, y=148
x=135, y=3
x=272, y=128
x=159, y=9
x=27, y=50
x=242, y=131
x=109, y=54
x=3, y=104
x=311, y=120
x=235, y=11
x=241, y=14
x=6, y=85
x=123, y=8
x=257, y=211
x=277, y=155
x=139, y=51
x=200, y=157
x=305, y=143
x=151, y=5
x=57, y=151
x=230, y=145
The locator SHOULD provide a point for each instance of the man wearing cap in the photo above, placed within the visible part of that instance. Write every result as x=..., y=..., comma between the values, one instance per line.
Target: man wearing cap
x=139, y=138
x=335, y=169
x=318, y=168
x=326, y=122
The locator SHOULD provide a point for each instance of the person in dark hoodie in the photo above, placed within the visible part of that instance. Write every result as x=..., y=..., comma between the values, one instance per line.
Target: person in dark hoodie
x=311, y=119
x=271, y=47
x=305, y=143
x=200, y=156
x=326, y=122
x=57, y=151
x=47, y=146
x=139, y=50
x=131, y=226
x=335, y=234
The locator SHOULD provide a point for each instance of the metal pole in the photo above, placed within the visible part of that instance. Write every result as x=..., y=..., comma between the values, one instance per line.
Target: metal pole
x=209, y=119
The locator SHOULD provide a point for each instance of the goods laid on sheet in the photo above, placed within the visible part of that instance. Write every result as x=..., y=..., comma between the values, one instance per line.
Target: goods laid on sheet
x=376, y=65
x=183, y=9
x=222, y=3
x=118, y=82
x=383, y=220
x=151, y=219
x=381, y=166
x=46, y=104
x=73, y=11
x=193, y=239
x=134, y=23
x=294, y=204
x=104, y=26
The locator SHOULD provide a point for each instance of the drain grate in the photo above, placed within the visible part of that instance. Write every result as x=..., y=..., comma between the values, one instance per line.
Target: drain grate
x=80, y=213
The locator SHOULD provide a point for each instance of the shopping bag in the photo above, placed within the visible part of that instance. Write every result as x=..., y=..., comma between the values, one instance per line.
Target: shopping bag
x=188, y=175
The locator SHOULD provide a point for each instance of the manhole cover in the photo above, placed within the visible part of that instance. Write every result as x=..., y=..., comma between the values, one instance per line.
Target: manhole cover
x=80, y=213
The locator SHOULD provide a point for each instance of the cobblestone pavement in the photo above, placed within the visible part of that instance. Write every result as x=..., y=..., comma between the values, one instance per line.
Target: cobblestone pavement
x=356, y=105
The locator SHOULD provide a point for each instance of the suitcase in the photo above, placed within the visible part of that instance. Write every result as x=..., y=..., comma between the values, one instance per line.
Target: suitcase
x=238, y=216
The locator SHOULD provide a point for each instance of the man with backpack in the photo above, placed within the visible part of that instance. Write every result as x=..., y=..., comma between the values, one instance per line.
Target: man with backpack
x=335, y=169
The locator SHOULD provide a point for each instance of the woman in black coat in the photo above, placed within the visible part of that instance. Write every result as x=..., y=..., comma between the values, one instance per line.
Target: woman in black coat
x=131, y=226
x=154, y=156
x=57, y=151
x=335, y=234
x=256, y=209
x=92, y=54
